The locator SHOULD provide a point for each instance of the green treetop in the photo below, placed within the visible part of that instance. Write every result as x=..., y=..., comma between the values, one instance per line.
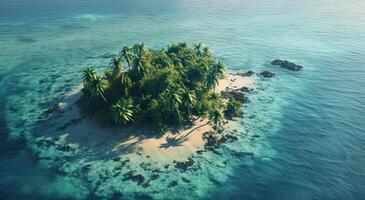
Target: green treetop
x=159, y=87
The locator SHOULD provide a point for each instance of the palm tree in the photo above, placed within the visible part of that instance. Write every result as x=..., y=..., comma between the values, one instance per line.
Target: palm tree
x=140, y=49
x=126, y=82
x=215, y=116
x=88, y=74
x=173, y=101
x=128, y=56
x=199, y=49
x=215, y=96
x=117, y=66
x=97, y=85
x=140, y=65
x=205, y=51
x=215, y=73
x=219, y=69
x=122, y=111
x=189, y=100
x=211, y=80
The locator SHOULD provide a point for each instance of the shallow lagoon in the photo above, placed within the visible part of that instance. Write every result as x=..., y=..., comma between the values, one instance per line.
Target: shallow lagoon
x=305, y=129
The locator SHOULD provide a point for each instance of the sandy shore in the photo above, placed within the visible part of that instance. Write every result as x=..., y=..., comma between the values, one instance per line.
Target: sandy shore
x=135, y=142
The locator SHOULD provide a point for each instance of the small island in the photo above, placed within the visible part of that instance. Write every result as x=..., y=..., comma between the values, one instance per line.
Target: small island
x=164, y=105
x=161, y=88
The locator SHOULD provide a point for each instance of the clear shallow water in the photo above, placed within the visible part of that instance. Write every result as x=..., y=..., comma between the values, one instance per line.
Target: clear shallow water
x=310, y=124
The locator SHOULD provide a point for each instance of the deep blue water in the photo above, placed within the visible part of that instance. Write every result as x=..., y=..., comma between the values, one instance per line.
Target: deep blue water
x=311, y=123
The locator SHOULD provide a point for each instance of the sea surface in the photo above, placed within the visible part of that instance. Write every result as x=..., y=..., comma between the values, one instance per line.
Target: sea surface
x=303, y=132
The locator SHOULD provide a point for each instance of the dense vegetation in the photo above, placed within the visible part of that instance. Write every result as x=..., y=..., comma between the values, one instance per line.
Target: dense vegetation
x=162, y=88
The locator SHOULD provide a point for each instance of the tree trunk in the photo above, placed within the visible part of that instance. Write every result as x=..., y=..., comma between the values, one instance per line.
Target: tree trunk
x=101, y=94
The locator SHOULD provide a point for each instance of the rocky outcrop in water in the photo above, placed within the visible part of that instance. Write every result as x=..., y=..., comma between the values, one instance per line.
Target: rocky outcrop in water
x=173, y=184
x=214, y=140
x=184, y=165
x=246, y=74
x=55, y=108
x=234, y=94
x=244, y=89
x=139, y=178
x=267, y=74
x=287, y=65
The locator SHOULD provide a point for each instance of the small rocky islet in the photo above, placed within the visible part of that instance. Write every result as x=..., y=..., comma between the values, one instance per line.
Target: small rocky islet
x=287, y=65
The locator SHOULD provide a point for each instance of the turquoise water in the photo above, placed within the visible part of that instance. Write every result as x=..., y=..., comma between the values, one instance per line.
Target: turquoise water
x=305, y=129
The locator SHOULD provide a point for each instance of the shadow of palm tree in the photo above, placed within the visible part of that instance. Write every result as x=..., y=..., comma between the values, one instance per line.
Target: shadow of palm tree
x=173, y=142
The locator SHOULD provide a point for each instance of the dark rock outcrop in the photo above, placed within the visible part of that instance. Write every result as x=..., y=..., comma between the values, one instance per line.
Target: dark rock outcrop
x=155, y=176
x=185, y=180
x=184, y=165
x=234, y=94
x=267, y=74
x=173, y=184
x=246, y=74
x=214, y=140
x=139, y=178
x=55, y=108
x=230, y=114
x=245, y=89
x=287, y=65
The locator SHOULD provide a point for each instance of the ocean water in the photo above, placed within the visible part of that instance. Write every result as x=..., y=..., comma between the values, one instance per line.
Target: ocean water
x=305, y=130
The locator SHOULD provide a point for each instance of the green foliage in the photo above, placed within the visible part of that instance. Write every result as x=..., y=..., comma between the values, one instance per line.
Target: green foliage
x=233, y=109
x=122, y=111
x=215, y=117
x=159, y=87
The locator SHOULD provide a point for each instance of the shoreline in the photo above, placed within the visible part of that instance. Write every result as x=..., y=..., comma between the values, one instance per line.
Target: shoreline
x=133, y=142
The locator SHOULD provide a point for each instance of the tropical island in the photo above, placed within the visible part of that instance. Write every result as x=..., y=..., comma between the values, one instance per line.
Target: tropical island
x=161, y=88
x=165, y=105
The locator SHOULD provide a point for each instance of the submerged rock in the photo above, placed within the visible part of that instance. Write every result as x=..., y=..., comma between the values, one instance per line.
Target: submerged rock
x=242, y=154
x=185, y=180
x=184, y=165
x=139, y=178
x=26, y=39
x=199, y=151
x=228, y=138
x=173, y=184
x=155, y=176
x=267, y=74
x=122, y=164
x=246, y=74
x=287, y=65
x=55, y=108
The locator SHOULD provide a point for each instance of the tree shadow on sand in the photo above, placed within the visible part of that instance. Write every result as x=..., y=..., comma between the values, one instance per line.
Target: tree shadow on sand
x=178, y=140
x=174, y=141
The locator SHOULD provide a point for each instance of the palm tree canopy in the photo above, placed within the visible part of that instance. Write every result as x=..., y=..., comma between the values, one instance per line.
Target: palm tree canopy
x=122, y=111
x=211, y=80
x=189, y=97
x=98, y=85
x=140, y=64
x=215, y=116
x=117, y=66
x=199, y=49
x=172, y=98
x=128, y=55
x=160, y=85
x=140, y=49
x=88, y=74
